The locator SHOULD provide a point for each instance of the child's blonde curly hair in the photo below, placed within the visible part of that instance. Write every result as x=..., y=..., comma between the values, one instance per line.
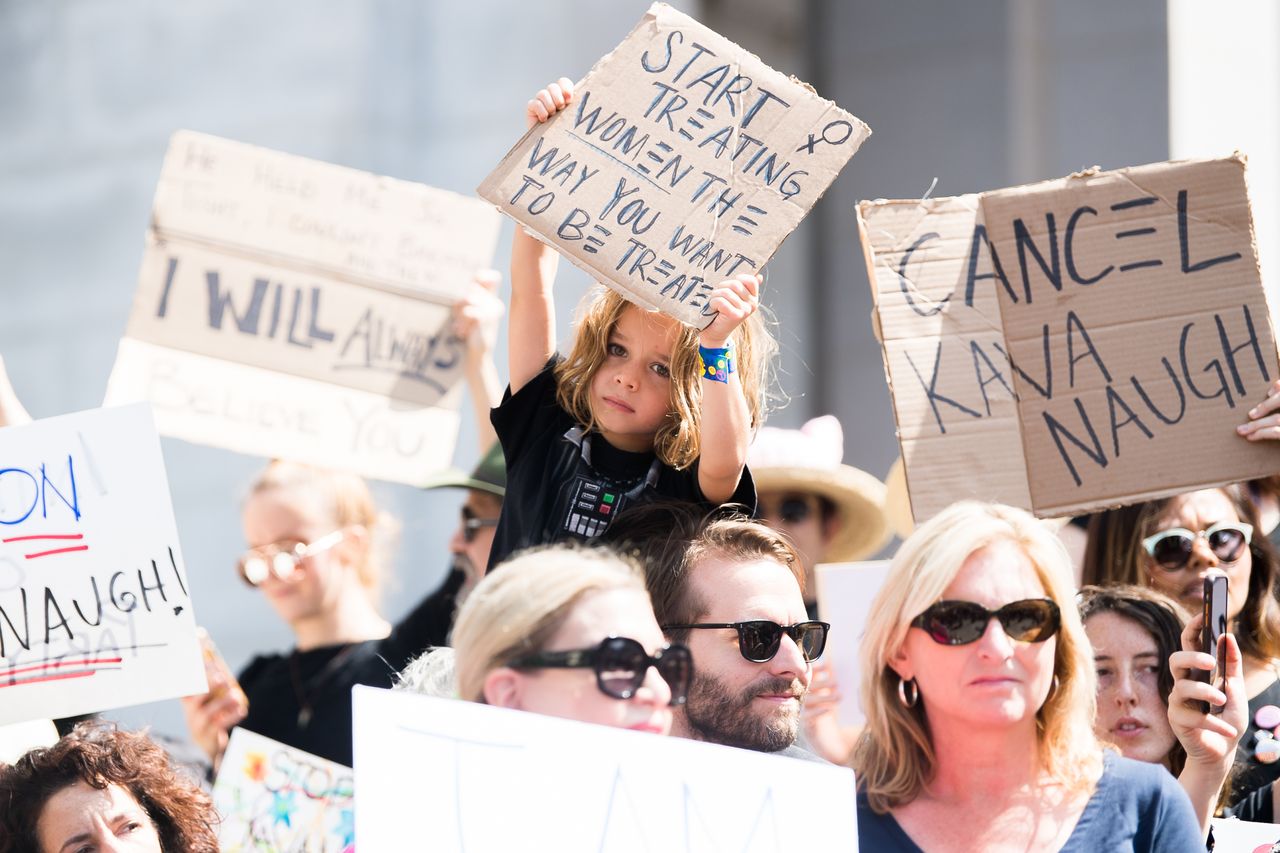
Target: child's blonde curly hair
x=678, y=440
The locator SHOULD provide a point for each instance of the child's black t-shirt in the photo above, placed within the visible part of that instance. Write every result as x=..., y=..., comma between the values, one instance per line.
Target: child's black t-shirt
x=564, y=484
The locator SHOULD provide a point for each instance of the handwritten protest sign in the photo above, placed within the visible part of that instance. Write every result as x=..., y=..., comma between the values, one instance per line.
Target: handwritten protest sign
x=287, y=307
x=273, y=797
x=683, y=160
x=845, y=593
x=583, y=787
x=95, y=611
x=1074, y=344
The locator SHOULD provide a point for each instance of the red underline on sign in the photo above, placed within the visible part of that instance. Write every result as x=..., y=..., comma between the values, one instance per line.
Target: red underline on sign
x=6, y=673
x=58, y=677
x=57, y=551
x=48, y=536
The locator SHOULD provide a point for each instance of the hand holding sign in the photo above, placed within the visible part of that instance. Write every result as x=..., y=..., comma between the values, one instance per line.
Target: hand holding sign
x=1264, y=418
x=549, y=101
x=734, y=301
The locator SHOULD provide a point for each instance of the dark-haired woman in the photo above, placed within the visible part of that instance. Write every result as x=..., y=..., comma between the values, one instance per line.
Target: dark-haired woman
x=1170, y=545
x=1147, y=703
x=100, y=788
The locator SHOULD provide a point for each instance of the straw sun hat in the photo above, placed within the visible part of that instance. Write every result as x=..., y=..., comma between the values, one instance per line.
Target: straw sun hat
x=809, y=460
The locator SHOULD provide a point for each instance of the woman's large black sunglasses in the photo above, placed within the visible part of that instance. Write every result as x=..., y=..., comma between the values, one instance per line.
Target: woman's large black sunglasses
x=760, y=639
x=620, y=664
x=955, y=623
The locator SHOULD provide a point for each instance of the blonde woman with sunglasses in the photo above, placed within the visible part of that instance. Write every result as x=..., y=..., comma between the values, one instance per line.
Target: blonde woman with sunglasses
x=314, y=553
x=570, y=632
x=1170, y=545
x=979, y=691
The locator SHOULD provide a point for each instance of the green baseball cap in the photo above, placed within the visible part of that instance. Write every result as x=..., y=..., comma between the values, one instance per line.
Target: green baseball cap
x=489, y=475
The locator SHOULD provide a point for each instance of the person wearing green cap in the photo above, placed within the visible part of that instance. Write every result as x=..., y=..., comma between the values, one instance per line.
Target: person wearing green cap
x=472, y=540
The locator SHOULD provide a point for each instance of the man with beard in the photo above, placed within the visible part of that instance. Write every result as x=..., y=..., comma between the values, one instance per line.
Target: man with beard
x=731, y=589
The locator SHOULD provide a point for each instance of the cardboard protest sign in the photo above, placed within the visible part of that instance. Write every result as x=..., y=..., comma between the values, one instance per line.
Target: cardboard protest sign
x=1074, y=344
x=583, y=787
x=288, y=307
x=845, y=593
x=95, y=611
x=682, y=161
x=273, y=797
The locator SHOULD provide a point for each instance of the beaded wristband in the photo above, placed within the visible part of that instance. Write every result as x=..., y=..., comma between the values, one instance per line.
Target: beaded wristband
x=716, y=362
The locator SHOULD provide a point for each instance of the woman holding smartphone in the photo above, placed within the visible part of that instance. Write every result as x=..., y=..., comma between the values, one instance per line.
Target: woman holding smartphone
x=1171, y=545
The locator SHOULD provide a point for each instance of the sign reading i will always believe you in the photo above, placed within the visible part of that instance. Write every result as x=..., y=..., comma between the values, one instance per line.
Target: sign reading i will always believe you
x=683, y=160
x=297, y=309
x=1074, y=344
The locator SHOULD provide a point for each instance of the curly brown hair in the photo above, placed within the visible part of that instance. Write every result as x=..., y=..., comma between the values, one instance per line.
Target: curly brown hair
x=99, y=755
x=678, y=442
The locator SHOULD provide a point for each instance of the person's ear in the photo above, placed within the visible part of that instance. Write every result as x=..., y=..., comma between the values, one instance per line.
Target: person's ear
x=900, y=662
x=504, y=688
x=354, y=545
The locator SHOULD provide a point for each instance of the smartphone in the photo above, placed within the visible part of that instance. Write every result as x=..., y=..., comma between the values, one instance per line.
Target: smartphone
x=219, y=675
x=1215, y=625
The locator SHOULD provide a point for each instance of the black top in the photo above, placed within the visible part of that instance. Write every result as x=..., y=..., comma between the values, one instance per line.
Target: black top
x=281, y=687
x=1250, y=773
x=563, y=484
x=1136, y=807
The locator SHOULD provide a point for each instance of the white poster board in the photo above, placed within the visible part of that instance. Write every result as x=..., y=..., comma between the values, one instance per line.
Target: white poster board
x=273, y=797
x=1242, y=836
x=845, y=593
x=447, y=775
x=95, y=611
x=16, y=739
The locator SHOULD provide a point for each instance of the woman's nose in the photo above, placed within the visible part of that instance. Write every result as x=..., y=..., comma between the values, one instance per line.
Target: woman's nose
x=1202, y=556
x=1125, y=692
x=654, y=689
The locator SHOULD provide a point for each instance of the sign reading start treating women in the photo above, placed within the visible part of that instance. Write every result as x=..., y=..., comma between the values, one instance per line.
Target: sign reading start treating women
x=683, y=160
x=1075, y=344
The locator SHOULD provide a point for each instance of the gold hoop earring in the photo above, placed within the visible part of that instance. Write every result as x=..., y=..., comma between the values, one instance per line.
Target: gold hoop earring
x=902, y=692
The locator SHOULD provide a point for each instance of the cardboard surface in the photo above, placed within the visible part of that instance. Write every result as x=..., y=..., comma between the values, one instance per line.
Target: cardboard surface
x=845, y=593
x=335, y=282
x=682, y=161
x=1131, y=306
x=95, y=608
x=273, y=797
x=575, y=787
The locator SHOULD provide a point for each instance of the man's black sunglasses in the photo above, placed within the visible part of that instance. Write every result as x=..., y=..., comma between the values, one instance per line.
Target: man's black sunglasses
x=471, y=524
x=760, y=639
x=956, y=623
x=620, y=664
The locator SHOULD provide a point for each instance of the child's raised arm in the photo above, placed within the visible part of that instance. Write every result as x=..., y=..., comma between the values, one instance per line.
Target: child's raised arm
x=531, y=328
x=726, y=419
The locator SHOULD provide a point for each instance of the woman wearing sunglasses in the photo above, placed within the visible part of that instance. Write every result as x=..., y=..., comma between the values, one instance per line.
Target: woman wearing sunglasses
x=978, y=687
x=570, y=633
x=1170, y=545
x=313, y=535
